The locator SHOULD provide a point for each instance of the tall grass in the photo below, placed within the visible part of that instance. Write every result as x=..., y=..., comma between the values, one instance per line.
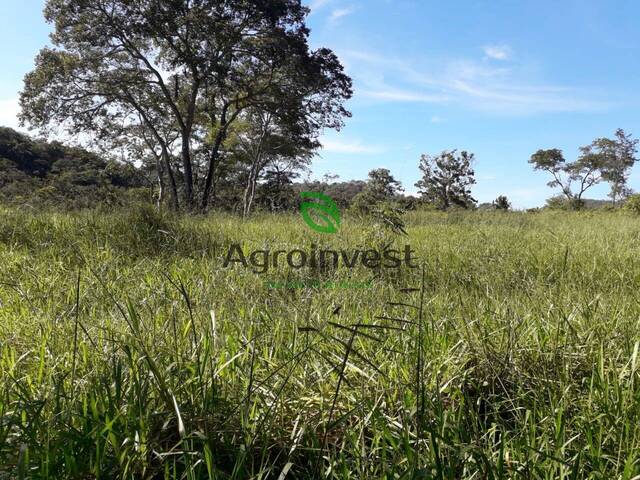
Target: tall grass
x=127, y=351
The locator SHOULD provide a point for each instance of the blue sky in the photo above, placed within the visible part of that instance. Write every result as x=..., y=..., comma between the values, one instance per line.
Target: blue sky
x=497, y=78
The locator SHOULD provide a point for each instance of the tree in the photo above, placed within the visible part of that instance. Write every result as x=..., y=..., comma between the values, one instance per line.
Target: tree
x=616, y=158
x=135, y=140
x=502, y=203
x=447, y=178
x=381, y=187
x=277, y=192
x=586, y=172
x=261, y=140
x=343, y=193
x=193, y=65
x=553, y=162
x=329, y=177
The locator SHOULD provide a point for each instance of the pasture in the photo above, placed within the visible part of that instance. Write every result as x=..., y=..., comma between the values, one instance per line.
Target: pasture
x=127, y=350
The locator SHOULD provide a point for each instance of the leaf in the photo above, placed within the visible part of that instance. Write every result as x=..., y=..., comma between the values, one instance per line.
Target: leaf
x=285, y=470
x=181, y=430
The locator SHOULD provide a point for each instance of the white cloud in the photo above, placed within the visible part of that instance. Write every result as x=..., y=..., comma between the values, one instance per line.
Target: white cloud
x=353, y=147
x=398, y=95
x=339, y=13
x=497, y=52
x=9, y=110
x=472, y=69
x=470, y=84
x=435, y=119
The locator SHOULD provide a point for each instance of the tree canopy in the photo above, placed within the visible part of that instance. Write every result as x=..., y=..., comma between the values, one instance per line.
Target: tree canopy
x=150, y=69
x=447, y=179
x=602, y=160
x=381, y=187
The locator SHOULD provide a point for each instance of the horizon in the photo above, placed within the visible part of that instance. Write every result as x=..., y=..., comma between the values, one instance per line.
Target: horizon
x=506, y=81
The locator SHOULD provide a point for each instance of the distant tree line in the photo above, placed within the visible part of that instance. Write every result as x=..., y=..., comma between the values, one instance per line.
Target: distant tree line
x=43, y=172
x=221, y=104
x=51, y=173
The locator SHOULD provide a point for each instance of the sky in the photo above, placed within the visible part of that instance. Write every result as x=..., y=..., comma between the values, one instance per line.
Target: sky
x=498, y=78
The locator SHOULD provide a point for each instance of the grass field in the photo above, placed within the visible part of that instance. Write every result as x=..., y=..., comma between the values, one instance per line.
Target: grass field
x=127, y=351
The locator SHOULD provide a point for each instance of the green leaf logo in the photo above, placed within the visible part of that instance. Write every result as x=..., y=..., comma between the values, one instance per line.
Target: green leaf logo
x=323, y=208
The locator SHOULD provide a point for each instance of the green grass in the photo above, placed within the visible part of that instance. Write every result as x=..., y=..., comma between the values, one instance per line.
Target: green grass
x=162, y=364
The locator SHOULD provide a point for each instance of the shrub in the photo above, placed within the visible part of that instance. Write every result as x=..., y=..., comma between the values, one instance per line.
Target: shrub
x=632, y=204
x=560, y=203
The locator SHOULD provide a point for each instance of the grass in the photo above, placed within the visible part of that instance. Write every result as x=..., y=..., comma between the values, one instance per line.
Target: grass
x=127, y=351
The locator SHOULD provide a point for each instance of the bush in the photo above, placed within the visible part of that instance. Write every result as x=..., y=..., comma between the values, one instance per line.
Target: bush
x=425, y=206
x=560, y=203
x=361, y=204
x=632, y=204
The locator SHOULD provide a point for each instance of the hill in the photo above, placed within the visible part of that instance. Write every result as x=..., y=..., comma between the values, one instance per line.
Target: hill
x=35, y=171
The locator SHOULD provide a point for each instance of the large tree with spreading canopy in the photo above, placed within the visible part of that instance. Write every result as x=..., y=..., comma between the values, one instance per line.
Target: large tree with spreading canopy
x=152, y=68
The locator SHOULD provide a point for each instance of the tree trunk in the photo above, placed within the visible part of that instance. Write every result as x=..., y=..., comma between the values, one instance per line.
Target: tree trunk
x=249, y=191
x=160, y=170
x=256, y=167
x=213, y=163
x=214, y=158
x=245, y=198
x=163, y=160
x=252, y=196
x=175, y=203
x=187, y=172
